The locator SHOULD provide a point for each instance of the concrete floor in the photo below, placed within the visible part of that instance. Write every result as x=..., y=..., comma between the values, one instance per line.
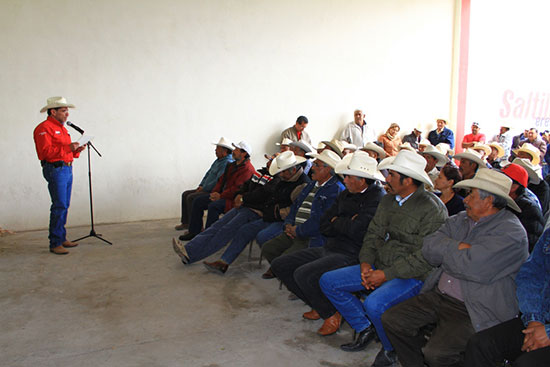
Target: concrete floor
x=135, y=304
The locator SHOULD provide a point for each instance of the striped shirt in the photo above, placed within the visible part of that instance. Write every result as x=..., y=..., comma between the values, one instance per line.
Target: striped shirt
x=304, y=211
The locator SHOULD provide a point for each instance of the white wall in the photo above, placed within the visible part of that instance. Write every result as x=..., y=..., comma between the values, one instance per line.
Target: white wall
x=156, y=82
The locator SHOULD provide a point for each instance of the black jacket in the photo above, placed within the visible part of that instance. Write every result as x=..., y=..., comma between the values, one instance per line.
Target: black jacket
x=531, y=218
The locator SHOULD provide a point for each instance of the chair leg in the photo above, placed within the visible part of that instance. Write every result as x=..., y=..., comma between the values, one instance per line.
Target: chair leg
x=251, y=243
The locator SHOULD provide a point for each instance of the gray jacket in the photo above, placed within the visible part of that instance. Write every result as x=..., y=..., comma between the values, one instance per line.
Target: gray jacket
x=486, y=270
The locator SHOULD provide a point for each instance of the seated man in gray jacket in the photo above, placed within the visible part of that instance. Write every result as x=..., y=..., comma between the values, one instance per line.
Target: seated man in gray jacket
x=478, y=253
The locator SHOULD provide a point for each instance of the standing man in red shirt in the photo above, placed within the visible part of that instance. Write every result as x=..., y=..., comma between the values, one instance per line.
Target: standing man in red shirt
x=56, y=153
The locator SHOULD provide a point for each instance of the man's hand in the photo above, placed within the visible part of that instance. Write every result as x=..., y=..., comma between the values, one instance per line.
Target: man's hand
x=333, y=219
x=463, y=246
x=214, y=196
x=199, y=189
x=290, y=231
x=374, y=279
x=535, y=337
x=366, y=268
x=238, y=201
x=75, y=147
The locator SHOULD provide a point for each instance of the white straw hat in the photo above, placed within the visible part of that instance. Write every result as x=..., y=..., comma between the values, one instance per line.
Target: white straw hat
x=284, y=161
x=442, y=159
x=224, y=143
x=375, y=148
x=286, y=141
x=534, y=172
x=56, y=102
x=359, y=164
x=327, y=156
x=480, y=146
x=302, y=145
x=412, y=165
x=384, y=163
x=499, y=148
x=336, y=145
x=471, y=155
x=491, y=181
x=407, y=146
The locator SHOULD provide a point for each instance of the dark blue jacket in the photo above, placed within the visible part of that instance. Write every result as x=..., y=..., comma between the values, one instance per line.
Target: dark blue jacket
x=533, y=284
x=324, y=198
x=446, y=136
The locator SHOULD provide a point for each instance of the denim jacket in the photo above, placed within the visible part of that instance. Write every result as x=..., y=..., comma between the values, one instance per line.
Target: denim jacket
x=213, y=174
x=533, y=284
x=323, y=200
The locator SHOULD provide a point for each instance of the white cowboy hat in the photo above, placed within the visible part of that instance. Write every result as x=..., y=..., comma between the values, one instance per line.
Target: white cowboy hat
x=336, y=146
x=442, y=159
x=534, y=172
x=444, y=148
x=375, y=148
x=321, y=146
x=224, y=143
x=384, y=163
x=482, y=147
x=349, y=146
x=532, y=150
x=286, y=141
x=284, y=161
x=491, y=181
x=412, y=165
x=407, y=146
x=471, y=155
x=302, y=145
x=424, y=142
x=56, y=102
x=327, y=156
x=243, y=145
x=499, y=148
x=359, y=164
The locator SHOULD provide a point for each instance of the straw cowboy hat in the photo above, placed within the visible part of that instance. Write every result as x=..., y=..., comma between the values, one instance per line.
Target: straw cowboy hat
x=534, y=172
x=321, y=146
x=491, y=181
x=407, y=146
x=286, y=141
x=336, y=145
x=530, y=149
x=472, y=155
x=243, y=145
x=499, y=148
x=327, y=156
x=56, y=102
x=284, y=161
x=412, y=165
x=302, y=145
x=482, y=147
x=442, y=159
x=224, y=143
x=359, y=164
x=349, y=146
x=375, y=148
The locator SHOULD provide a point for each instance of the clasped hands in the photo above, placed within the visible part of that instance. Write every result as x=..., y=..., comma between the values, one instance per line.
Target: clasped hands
x=290, y=231
x=535, y=337
x=370, y=278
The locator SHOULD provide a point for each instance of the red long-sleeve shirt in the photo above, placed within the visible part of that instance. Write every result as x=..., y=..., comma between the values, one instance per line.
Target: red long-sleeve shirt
x=52, y=141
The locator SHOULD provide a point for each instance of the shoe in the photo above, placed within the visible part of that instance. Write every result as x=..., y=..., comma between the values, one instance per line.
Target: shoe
x=59, y=250
x=292, y=297
x=311, y=315
x=216, y=266
x=361, y=341
x=181, y=227
x=331, y=325
x=69, y=244
x=268, y=274
x=187, y=237
x=385, y=358
x=179, y=249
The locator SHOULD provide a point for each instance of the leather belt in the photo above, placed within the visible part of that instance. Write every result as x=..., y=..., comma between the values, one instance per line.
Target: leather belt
x=56, y=164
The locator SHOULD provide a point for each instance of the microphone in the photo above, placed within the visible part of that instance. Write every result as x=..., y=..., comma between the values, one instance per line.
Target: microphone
x=75, y=127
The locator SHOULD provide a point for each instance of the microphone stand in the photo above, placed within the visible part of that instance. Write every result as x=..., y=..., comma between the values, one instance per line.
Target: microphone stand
x=92, y=231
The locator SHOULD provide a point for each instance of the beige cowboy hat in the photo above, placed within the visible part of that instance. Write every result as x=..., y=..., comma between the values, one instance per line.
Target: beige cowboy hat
x=327, y=156
x=375, y=148
x=56, y=102
x=284, y=161
x=407, y=146
x=499, y=148
x=482, y=147
x=336, y=146
x=534, y=172
x=491, y=181
x=321, y=146
x=442, y=159
x=224, y=143
x=302, y=145
x=472, y=155
x=410, y=164
x=532, y=150
x=286, y=141
x=359, y=164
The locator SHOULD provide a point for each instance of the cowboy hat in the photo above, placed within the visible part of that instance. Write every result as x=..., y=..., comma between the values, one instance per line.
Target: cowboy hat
x=424, y=142
x=375, y=148
x=482, y=147
x=349, y=146
x=243, y=145
x=56, y=102
x=223, y=143
x=302, y=145
x=359, y=164
x=327, y=156
x=499, y=149
x=534, y=172
x=471, y=155
x=412, y=165
x=284, y=161
x=444, y=148
x=286, y=141
x=384, y=163
x=532, y=150
x=407, y=146
x=491, y=181
x=442, y=159
x=336, y=145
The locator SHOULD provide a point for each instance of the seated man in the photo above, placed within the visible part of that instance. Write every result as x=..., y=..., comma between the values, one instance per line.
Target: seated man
x=221, y=198
x=301, y=226
x=344, y=225
x=414, y=137
x=223, y=157
x=536, y=184
x=265, y=200
x=525, y=340
x=434, y=160
x=470, y=163
x=442, y=134
x=297, y=132
x=475, y=137
x=301, y=149
x=375, y=151
x=478, y=253
x=390, y=261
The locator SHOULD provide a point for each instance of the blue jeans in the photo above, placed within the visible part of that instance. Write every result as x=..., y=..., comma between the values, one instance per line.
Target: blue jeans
x=219, y=234
x=200, y=204
x=270, y=232
x=244, y=235
x=60, y=183
x=339, y=284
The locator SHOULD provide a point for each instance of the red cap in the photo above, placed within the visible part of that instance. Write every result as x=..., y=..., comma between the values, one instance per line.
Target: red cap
x=517, y=173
